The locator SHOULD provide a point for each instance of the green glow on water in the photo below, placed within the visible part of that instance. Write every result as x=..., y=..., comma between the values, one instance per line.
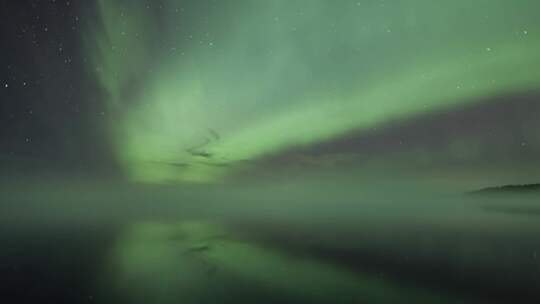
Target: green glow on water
x=196, y=262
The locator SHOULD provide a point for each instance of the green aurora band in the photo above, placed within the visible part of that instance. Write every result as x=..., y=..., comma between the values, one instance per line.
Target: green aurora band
x=198, y=90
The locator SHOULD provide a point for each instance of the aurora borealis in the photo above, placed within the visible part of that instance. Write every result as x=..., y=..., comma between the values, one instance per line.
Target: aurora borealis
x=269, y=151
x=198, y=89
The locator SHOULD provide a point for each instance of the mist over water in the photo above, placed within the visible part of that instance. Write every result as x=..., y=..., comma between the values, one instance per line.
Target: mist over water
x=318, y=240
x=283, y=151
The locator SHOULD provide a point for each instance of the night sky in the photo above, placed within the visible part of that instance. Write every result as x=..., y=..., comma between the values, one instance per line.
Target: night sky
x=52, y=108
x=205, y=91
x=269, y=151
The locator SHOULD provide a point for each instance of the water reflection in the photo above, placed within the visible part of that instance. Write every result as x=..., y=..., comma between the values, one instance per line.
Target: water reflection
x=202, y=262
x=265, y=245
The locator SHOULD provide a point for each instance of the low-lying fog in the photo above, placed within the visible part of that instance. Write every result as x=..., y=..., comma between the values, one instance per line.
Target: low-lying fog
x=326, y=241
